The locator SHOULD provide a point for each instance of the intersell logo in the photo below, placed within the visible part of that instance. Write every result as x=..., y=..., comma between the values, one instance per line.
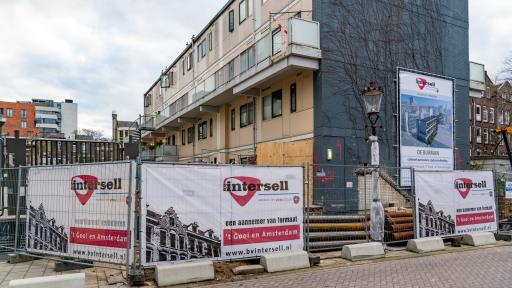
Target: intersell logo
x=243, y=188
x=464, y=186
x=83, y=186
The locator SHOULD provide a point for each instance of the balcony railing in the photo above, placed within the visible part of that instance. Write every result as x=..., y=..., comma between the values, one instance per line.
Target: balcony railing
x=162, y=152
x=301, y=32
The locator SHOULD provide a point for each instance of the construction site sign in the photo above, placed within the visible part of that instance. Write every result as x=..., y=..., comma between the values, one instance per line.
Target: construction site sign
x=81, y=211
x=224, y=212
x=454, y=203
x=426, y=123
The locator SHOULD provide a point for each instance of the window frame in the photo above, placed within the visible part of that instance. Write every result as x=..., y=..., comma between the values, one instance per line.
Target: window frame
x=211, y=127
x=231, y=20
x=293, y=97
x=478, y=135
x=240, y=20
x=485, y=115
x=244, y=110
x=485, y=134
x=274, y=33
x=491, y=115
x=24, y=124
x=9, y=113
x=23, y=113
x=189, y=61
x=478, y=113
x=210, y=41
x=278, y=94
x=233, y=119
x=267, y=98
x=202, y=130
x=190, y=134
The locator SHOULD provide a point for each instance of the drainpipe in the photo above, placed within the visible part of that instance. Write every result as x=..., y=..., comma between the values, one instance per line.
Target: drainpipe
x=254, y=125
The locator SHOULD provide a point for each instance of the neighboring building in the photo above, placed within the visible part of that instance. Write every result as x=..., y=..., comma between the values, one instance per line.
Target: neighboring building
x=44, y=233
x=122, y=130
x=20, y=118
x=434, y=223
x=247, y=82
x=490, y=107
x=168, y=239
x=56, y=119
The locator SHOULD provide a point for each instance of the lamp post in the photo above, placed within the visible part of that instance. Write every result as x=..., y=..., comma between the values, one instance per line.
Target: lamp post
x=372, y=97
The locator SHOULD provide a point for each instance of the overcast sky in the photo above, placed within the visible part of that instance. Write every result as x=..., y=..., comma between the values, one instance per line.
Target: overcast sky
x=105, y=54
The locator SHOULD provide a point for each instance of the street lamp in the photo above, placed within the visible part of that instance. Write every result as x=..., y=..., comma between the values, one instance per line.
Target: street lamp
x=372, y=97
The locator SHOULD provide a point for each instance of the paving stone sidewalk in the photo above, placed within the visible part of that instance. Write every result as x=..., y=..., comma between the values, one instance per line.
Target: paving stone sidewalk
x=464, y=267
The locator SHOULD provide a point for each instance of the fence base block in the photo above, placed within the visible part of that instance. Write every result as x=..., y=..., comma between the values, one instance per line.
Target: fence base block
x=181, y=273
x=76, y=280
x=423, y=245
x=285, y=261
x=363, y=251
x=314, y=260
x=136, y=277
x=248, y=269
x=18, y=258
x=479, y=239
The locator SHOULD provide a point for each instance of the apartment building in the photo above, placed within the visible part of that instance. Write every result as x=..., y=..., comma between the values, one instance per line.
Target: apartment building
x=279, y=81
x=20, y=118
x=56, y=119
x=490, y=107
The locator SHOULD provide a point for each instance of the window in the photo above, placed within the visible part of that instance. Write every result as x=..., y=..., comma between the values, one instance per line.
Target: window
x=478, y=113
x=233, y=121
x=491, y=115
x=190, y=134
x=173, y=140
x=231, y=69
x=246, y=114
x=242, y=11
x=267, y=107
x=211, y=127
x=30, y=134
x=478, y=135
x=486, y=136
x=183, y=67
x=293, y=98
x=276, y=41
x=231, y=20
x=203, y=130
x=23, y=113
x=189, y=61
x=485, y=117
x=24, y=124
x=1, y=111
x=500, y=117
x=210, y=41
x=183, y=137
x=249, y=7
x=276, y=103
x=470, y=134
x=201, y=50
x=147, y=100
x=9, y=112
x=247, y=59
x=507, y=118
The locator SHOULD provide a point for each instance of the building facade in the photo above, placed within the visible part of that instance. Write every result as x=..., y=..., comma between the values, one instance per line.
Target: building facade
x=490, y=107
x=44, y=233
x=20, y=118
x=122, y=130
x=434, y=223
x=266, y=72
x=168, y=239
x=56, y=119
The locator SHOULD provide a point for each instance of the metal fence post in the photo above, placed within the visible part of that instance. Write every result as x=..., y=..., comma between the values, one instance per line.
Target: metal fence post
x=128, y=229
x=307, y=205
x=413, y=205
x=136, y=276
x=16, y=228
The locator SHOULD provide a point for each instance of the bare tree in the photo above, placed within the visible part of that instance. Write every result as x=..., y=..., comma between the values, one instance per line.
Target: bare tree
x=94, y=134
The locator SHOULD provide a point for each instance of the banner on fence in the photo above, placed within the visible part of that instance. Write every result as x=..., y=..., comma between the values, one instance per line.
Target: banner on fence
x=508, y=190
x=80, y=211
x=196, y=211
x=426, y=123
x=453, y=203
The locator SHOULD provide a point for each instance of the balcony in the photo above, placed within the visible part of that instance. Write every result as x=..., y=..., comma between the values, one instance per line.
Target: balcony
x=161, y=153
x=269, y=59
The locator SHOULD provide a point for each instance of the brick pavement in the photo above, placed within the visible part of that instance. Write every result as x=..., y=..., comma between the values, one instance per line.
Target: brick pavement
x=476, y=267
x=490, y=267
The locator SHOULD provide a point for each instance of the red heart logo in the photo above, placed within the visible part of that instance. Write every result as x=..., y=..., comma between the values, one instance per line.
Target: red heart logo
x=421, y=83
x=241, y=184
x=463, y=185
x=82, y=183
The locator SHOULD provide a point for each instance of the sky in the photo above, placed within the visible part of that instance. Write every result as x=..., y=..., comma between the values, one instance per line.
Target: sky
x=105, y=54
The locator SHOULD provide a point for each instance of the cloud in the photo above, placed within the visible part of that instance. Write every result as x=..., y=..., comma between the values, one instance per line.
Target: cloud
x=489, y=33
x=102, y=54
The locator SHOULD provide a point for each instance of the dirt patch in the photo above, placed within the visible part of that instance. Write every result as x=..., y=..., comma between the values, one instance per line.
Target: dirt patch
x=224, y=270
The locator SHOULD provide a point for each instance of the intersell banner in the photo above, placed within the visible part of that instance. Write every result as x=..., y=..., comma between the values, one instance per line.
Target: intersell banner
x=454, y=203
x=80, y=211
x=207, y=211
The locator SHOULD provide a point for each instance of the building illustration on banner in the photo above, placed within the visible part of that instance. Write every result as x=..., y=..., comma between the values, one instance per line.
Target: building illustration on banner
x=432, y=222
x=43, y=233
x=168, y=239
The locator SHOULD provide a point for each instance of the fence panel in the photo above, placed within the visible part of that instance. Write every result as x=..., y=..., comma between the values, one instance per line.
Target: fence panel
x=219, y=211
x=503, y=200
x=75, y=211
x=339, y=212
